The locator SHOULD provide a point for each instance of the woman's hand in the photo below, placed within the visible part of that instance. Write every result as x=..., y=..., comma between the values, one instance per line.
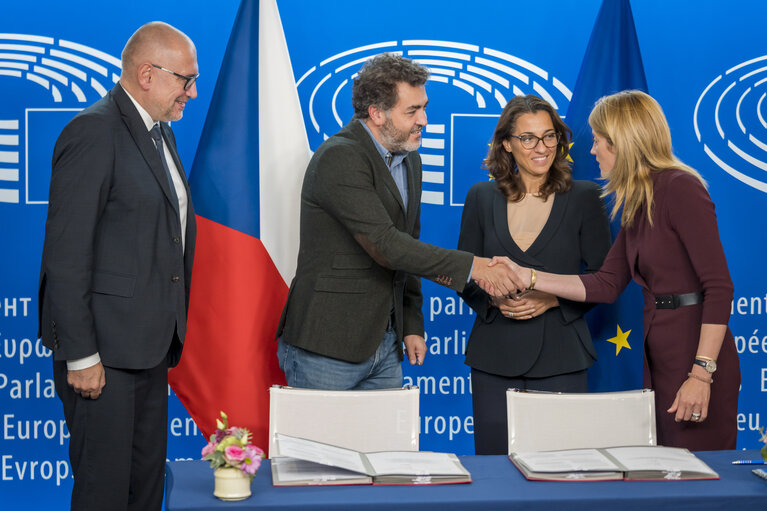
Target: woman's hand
x=691, y=402
x=527, y=305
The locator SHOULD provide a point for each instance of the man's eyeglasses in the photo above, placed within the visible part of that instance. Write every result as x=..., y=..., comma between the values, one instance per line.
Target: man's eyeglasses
x=189, y=80
x=530, y=141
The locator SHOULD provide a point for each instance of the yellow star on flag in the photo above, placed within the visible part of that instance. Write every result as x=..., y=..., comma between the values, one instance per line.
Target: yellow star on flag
x=621, y=340
x=570, y=148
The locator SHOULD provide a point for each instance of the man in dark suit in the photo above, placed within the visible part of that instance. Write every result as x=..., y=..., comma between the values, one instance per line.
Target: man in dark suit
x=116, y=268
x=356, y=296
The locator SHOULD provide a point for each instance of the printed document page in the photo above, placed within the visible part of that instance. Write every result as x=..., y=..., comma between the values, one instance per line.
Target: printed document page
x=414, y=463
x=324, y=454
x=658, y=458
x=566, y=461
x=293, y=470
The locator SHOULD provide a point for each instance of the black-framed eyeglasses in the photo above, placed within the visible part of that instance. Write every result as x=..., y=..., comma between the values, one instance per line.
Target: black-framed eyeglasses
x=530, y=141
x=189, y=80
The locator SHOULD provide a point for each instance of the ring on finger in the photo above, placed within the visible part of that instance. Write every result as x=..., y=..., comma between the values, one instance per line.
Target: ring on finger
x=695, y=416
x=510, y=314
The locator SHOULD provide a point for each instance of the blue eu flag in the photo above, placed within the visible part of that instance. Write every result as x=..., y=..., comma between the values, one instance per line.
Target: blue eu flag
x=612, y=63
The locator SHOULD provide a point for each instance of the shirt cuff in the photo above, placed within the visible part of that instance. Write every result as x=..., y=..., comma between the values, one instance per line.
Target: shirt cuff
x=471, y=270
x=83, y=363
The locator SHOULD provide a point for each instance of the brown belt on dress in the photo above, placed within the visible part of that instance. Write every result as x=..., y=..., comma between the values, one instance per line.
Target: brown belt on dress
x=676, y=301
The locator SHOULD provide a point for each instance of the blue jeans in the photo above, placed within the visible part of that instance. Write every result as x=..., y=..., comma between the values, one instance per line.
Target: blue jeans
x=309, y=370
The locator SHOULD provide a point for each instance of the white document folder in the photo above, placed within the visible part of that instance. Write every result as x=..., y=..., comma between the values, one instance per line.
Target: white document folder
x=362, y=420
x=545, y=421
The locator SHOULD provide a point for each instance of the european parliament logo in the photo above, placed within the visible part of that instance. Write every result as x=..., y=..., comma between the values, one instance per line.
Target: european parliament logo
x=730, y=121
x=44, y=81
x=468, y=88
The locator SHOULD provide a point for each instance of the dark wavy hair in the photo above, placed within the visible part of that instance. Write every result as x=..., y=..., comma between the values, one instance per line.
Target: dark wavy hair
x=503, y=166
x=376, y=82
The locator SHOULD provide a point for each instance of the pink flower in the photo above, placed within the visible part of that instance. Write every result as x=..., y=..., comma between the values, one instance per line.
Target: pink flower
x=253, y=459
x=234, y=454
x=254, y=452
x=208, y=449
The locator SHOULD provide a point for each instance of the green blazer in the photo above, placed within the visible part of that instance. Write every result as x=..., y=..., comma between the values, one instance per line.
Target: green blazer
x=359, y=252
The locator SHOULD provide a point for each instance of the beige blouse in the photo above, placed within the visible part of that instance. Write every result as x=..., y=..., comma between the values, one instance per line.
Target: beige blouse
x=527, y=217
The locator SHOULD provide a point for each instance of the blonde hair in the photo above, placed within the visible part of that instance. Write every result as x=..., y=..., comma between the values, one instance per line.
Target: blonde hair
x=634, y=125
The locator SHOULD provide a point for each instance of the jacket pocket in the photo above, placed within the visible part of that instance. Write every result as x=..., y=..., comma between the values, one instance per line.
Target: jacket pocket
x=113, y=284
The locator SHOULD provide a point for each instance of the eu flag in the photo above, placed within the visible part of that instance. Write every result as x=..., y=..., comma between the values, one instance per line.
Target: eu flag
x=612, y=63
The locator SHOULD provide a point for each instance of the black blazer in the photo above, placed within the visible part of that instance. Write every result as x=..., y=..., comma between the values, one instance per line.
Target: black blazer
x=359, y=252
x=575, y=238
x=114, y=278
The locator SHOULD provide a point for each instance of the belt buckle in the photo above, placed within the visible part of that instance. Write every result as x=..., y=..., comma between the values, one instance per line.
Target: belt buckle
x=666, y=302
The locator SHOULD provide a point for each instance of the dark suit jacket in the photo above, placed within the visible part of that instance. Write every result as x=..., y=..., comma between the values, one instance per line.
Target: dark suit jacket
x=114, y=278
x=575, y=238
x=359, y=253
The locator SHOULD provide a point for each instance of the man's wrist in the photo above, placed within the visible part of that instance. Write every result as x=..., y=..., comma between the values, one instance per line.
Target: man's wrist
x=79, y=364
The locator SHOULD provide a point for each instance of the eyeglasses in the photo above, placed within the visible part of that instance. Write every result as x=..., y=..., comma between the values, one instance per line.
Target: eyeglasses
x=530, y=141
x=189, y=79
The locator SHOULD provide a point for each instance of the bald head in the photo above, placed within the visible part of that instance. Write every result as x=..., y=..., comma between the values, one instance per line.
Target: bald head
x=159, y=66
x=155, y=42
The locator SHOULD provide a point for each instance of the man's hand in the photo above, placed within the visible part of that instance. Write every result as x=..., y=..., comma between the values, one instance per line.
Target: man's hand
x=88, y=382
x=415, y=349
x=497, y=279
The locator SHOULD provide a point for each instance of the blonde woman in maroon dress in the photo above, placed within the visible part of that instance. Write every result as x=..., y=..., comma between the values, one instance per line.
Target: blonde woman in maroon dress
x=669, y=244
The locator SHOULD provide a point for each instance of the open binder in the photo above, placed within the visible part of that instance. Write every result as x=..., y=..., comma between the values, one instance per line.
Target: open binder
x=314, y=463
x=654, y=463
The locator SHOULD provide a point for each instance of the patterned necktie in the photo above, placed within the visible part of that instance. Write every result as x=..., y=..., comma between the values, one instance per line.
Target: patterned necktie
x=157, y=137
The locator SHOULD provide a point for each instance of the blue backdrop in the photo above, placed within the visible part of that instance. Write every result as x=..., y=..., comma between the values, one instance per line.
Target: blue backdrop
x=704, y=61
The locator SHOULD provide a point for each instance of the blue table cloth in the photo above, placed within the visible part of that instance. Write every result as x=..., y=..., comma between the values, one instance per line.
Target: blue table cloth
x=497, y=484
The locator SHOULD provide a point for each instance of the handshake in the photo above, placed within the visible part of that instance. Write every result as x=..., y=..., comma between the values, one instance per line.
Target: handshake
x=500, y=276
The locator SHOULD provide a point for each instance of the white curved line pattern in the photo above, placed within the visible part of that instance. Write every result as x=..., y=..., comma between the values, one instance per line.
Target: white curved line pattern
x=718, y=105
x=85, y=73
x=441, y=79
x=729, y=122
x=759, y=109
x=746, y=63
x=494, y=71
x=335, y=97
x=480, y=79
x=737, y=110
x=66, y=71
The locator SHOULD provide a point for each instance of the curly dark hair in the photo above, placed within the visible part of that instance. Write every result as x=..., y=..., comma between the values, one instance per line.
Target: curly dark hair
x=376, y=82
x=503, y=166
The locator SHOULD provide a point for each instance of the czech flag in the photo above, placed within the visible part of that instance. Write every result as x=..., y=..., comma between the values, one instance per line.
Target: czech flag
x=246, y=185
x=612, y=63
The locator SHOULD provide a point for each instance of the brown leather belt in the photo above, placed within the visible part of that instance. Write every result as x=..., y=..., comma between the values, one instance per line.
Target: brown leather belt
x=676, y=301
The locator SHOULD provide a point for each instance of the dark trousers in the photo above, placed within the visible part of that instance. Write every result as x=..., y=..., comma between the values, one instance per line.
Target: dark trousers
x=118, y=442
x=489, y=403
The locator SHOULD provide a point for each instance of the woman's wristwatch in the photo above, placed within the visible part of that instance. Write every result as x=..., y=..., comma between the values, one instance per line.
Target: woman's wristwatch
x=709, y=364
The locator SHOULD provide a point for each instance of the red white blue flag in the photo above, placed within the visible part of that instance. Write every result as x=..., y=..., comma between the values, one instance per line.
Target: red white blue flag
x=245, y=183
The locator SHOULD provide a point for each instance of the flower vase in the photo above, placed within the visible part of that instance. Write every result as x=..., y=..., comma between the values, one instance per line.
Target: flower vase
x=231, y=484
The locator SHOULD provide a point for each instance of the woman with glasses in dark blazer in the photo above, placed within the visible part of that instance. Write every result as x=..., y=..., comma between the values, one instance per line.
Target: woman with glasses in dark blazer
x=534, y=213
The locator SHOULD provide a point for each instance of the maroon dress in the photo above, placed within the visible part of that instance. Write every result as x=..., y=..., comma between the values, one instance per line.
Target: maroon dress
x=680, y=253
